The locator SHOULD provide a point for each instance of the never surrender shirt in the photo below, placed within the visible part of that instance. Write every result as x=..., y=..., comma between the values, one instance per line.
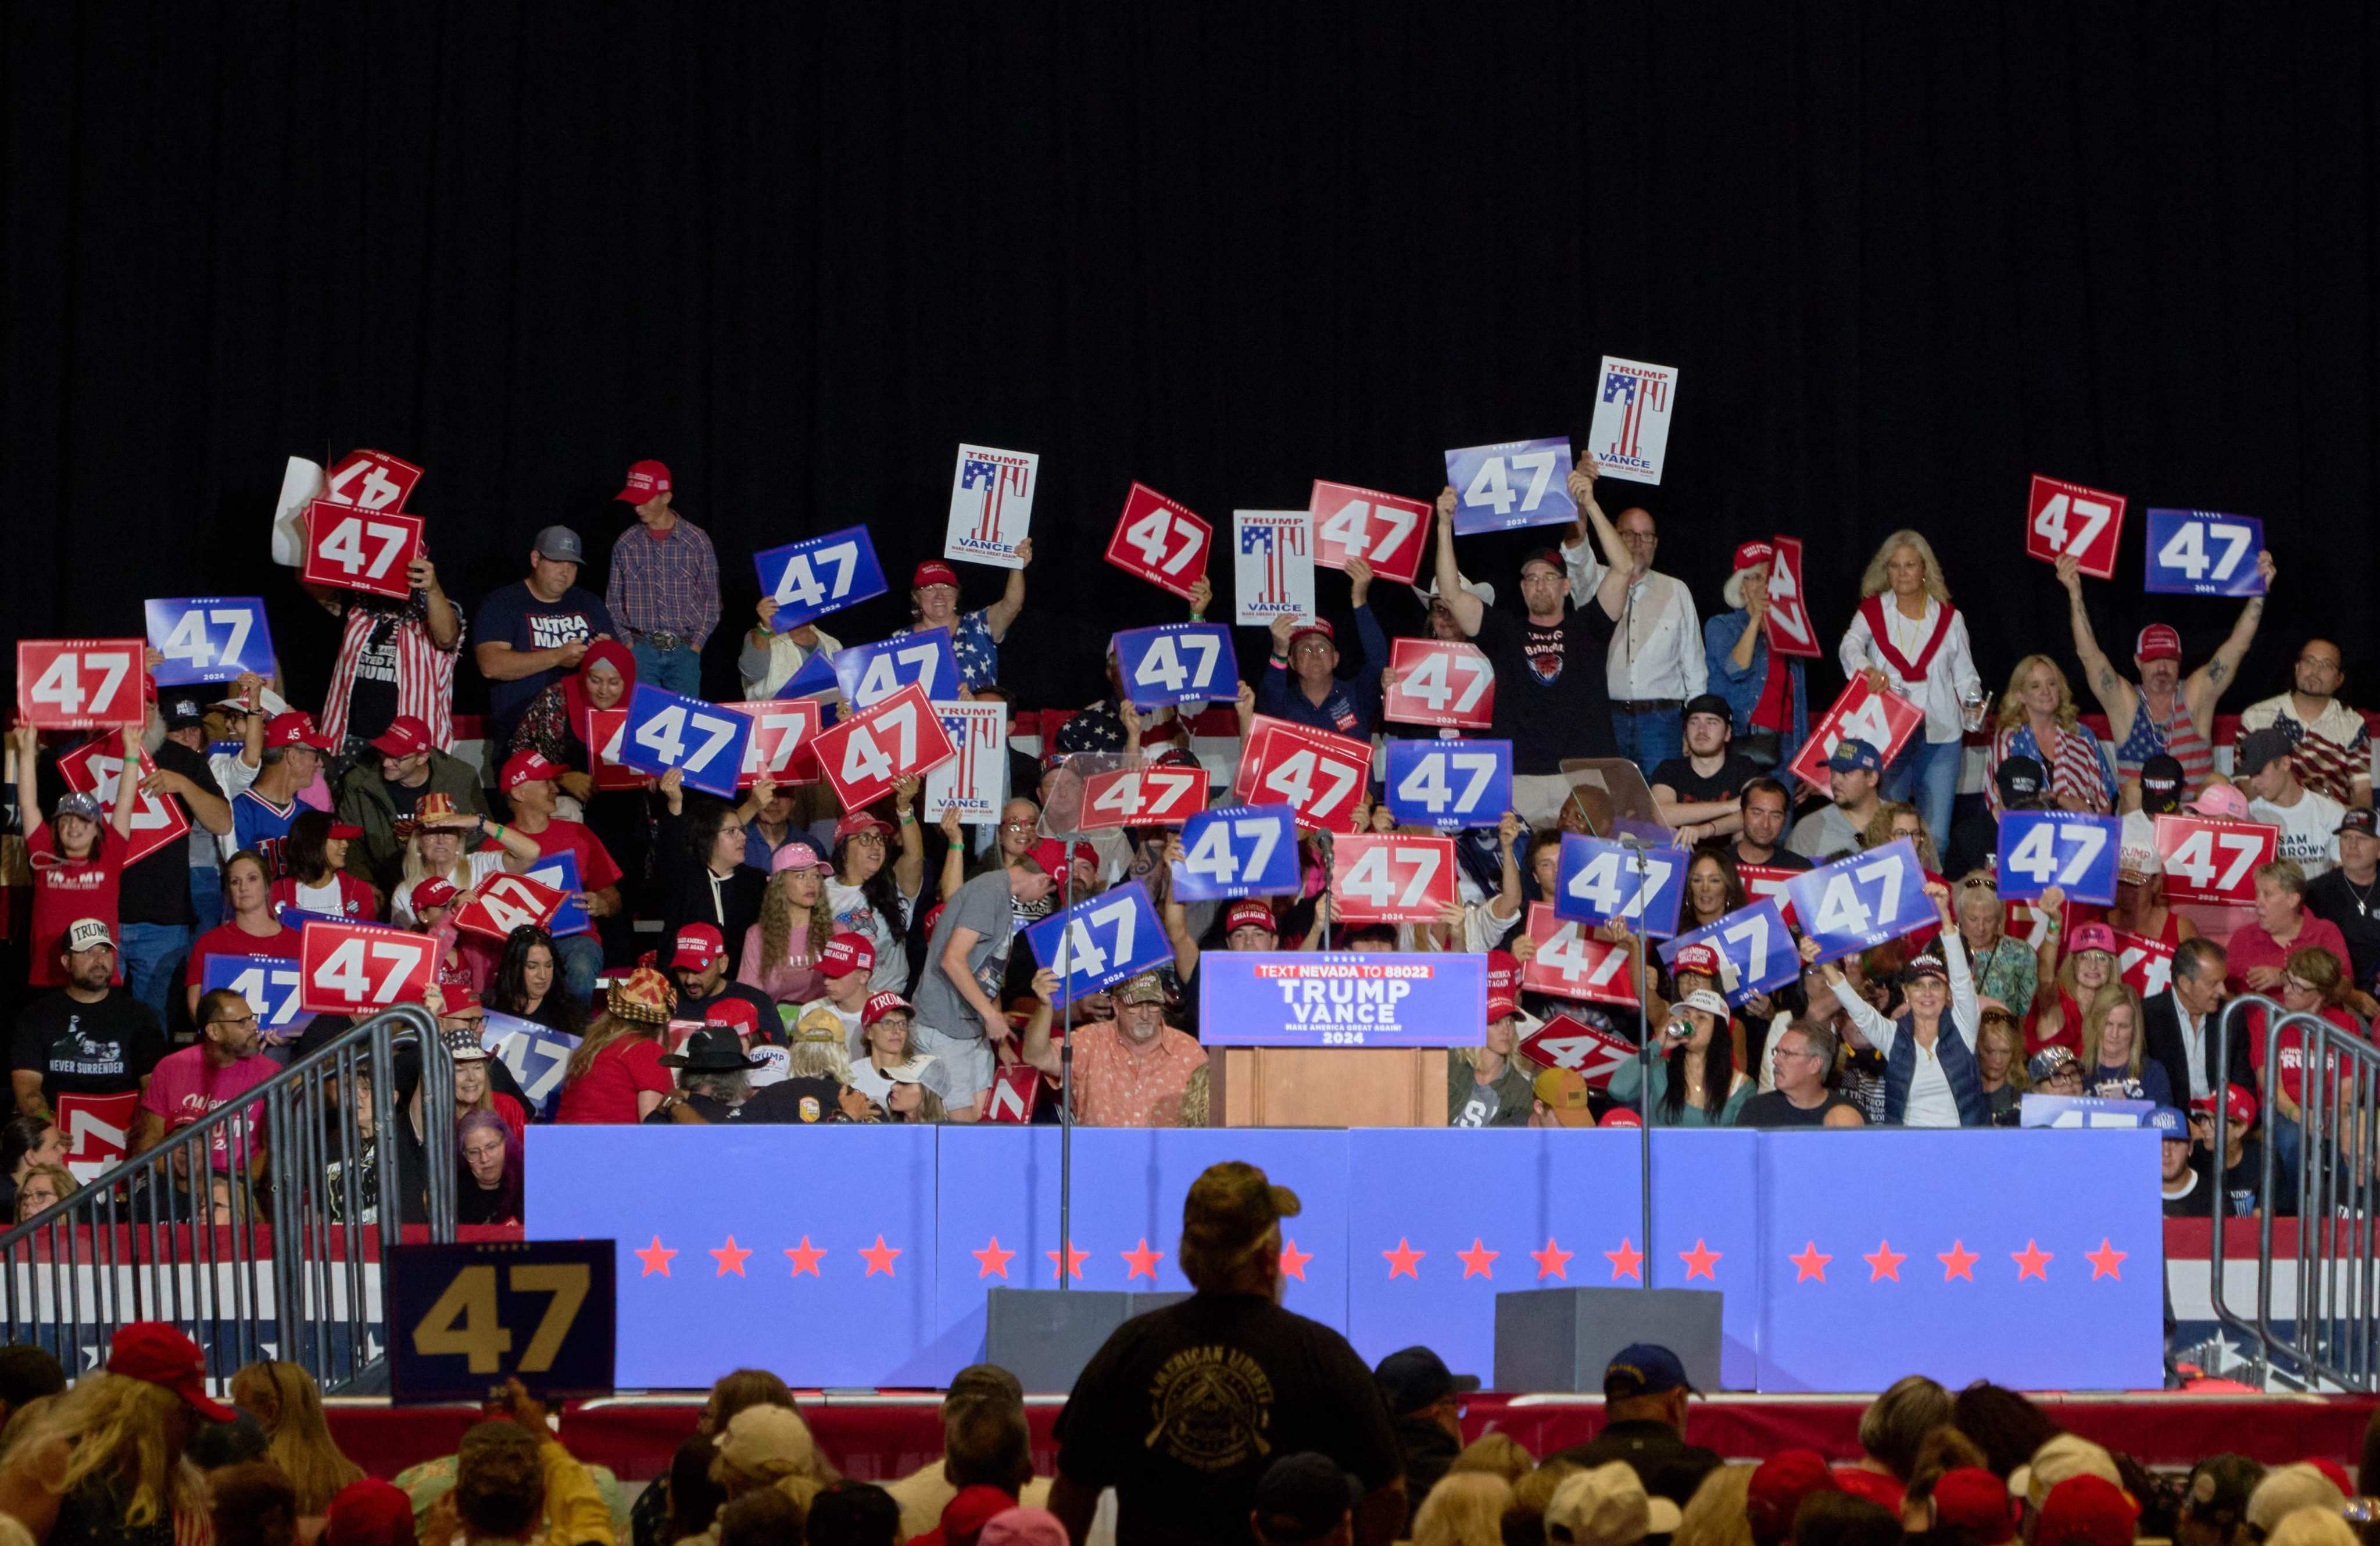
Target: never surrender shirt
x=1551, y=699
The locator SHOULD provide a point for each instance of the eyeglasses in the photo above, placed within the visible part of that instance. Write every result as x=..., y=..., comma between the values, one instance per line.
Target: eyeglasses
x=246, y=1019
x=2292, y=985
x=1018, y=826
x=1797, y=1051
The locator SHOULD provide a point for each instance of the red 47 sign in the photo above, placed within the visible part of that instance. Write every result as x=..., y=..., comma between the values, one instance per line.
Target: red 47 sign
x=80, y=684
x=95, y=768
x=1569, y=962
x=605, y=728
x=1790, y=632
x=1764, y=883
x=1382, y=529
x=865, y=755
x=1156, y=796
x=1319, y=775
x=1390, y=879
x=1564, y=1043
x=1160, y=540
x=2146, y=964
x=2062, y=519
x=1884, y=719
x=2213, y=861
x=1442, y=684
x=350, y=548
x=371, y=481
x=506, y=902
x=782, y=729
x=349, y=968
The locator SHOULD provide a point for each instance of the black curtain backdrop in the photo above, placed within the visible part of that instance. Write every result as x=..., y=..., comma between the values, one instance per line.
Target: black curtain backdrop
x=1902, y=256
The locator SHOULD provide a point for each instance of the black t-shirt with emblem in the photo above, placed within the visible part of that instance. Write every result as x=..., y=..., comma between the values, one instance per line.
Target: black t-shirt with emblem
x=1553, y=698
x=88, y=1048
x=1184, y=1407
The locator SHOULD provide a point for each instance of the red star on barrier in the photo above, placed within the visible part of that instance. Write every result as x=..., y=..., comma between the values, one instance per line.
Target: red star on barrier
x=991, y=1259
x=730, y=1258
x=1957, y=1261
x=1143, y=1262
x=2106, y=1260
x=1074, y=1259
x=656, y=1257
x=1404, y=1259
x=1553, y=1261
x=1700, y=1261
x=2032, y=1263
x=1811, y=1263
x=1884, y=1261
x=1479, y=1260
x=879, y=1258
x=1626, y=1262
x=805, y=1258
x=1292, y=1260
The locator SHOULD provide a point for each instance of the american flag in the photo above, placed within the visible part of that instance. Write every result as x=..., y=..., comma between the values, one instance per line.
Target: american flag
x=998, y=481
x=1279, y=542
x=1641, y=394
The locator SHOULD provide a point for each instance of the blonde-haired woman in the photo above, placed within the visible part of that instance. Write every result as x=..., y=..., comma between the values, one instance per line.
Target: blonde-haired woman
x=106, y=1462
x=1715, y=1514
x=440, y=845
x=782, y=950
x=1907, y=639
x=287, y=1405
x=1466, y=1508
x=1999, y=1062
x=2038, y=719
x=2114, y=1063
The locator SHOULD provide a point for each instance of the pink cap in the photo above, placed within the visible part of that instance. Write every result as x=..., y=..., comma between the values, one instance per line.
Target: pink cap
x=860, y=820
x=796, y=856
x=2092, y=936
x=2222, y=800
x=646, y=480
x=2158, y=642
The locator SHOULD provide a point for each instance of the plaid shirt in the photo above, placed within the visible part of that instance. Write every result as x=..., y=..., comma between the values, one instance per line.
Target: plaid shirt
x=668, y=584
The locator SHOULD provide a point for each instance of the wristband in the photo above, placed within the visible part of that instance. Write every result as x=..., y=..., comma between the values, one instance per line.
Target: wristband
x=1197, y=618
x=1280, y=660
x=907, y=820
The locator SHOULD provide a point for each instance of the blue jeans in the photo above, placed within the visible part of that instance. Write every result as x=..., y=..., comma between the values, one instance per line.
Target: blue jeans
x=580, y=956
x=1650, y=740
x=153, y=954
x=1926, y=774
x=2287, y=1139
x=678, y=670
x=206, y=898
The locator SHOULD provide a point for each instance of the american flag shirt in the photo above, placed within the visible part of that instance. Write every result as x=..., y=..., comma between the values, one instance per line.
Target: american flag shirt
x=665, y=584
x=971, y=643
x=2327, y=752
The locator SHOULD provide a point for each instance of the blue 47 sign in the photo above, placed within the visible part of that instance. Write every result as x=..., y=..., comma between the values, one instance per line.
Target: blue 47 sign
x=1863, y=900
x=1450, y=784
x=270, y=985
x=2198, y=552
x=819, y=575
x=537, y=1055
x=561, y=871
x=868, y=674
x=1109, y=937
x=209, y=639
x=1238, y=850
x=1510, y=484
x=1598, y=881
x=1755, y=950
x=1178, y=662
x=2044, y=848
x=666, y=730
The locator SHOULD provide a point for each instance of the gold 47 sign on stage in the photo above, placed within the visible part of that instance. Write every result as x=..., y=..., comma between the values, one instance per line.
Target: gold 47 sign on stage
x=469, y=1317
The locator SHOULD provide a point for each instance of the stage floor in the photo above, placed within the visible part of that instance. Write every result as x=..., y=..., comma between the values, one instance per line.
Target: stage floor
x=876, y=1436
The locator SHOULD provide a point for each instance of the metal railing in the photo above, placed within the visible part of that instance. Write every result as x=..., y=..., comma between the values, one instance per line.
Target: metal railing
x=269, y=1241
x=2333, y=1337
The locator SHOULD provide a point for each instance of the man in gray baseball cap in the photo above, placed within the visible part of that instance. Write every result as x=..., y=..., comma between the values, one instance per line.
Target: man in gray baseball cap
x=529, y=634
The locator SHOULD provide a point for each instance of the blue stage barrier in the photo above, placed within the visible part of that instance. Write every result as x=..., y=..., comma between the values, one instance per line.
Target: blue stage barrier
x=1406, y=1236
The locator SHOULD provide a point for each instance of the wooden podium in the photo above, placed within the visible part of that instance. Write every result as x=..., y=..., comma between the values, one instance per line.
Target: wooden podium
x=1327, y=1087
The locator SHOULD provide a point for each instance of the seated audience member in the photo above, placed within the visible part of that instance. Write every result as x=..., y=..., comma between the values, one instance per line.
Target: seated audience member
x=435, y=841
x=713, y=1074
x=2009, y=1427
x=1425, y=1408
x=1765, y=808
x=27, y=1374
x=1305, y=1500
x=1695, y=1081
x=729, y=1394
x=768, y=659
x=887, y=1060
x=508, y=1477
x=1700, y=793
x=1644, y=1392
x=288, y=1406
x=2053, y=1071
x=698, y=963
x=2181, y=1029
x=2089, y=970
x=530, y=784
x=253, y=1504
x=872, y=890
x=2230, y=1154
x=1779, y=1487
x=781, y=949
x=488, y=1180
x=2005, y=968
x=1999, y=1063
x=1853, y=770
x=2086, y=1511
x=925, y=1492
x=527, y=984
x=2348, y=895
x=1607, y=1505
x=368, y=1512
x=2308, y=822
x=1890, y=1431
x=255, y=928
x=43, y=1187
x=616, y=1074
x=1467, y=1509
x=700, y=869
x=769, y=1446
x=1715, y=1514
x=1498, y=1453
x=845, y=967
x=1487, y=1086
x=2215, y=1501
x=27, y=1144
x=384, y=789
x=1713, y=889
x=766, y=1518
x=557, y=722
x=2037, y=720
x=2182, y=1190
x=313, y=874
x=2114, y=1062
x=987, y=1454
x=1804, y=1057
x=2258, y=953
x=1130, y=1073
x=2285, y=1491
x=2312, y=985
x=856, y=1514
x=1839, y=1519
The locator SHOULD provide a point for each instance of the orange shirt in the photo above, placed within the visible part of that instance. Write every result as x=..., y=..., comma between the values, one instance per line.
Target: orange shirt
x=1117, y=1084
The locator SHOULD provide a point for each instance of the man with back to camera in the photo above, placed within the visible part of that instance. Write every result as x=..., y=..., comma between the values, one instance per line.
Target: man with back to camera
x=1853, y=773
x=1552, y=700
x=2328, y=742
x=531, y=631
x=664, y=587
x=1184, y=1410
x=1644, y=1392
x=1425, y=1405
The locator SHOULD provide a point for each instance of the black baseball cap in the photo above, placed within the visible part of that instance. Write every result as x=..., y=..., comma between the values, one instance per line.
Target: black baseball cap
x=1412, y=1377
x=2361, y=819
x=182, y=710
x=1711, y=703
x=2257, y=750
x=2161, y=784
x=1303, y=1497
x=2020, y=783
